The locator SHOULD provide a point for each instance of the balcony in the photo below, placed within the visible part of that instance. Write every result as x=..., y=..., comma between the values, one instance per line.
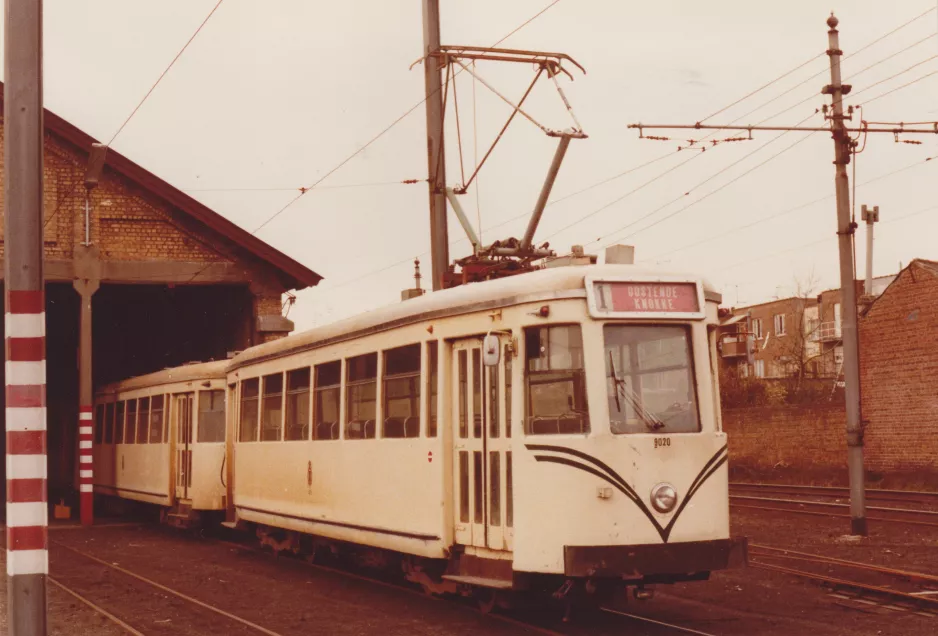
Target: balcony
x=827, y=332
x=733, y=346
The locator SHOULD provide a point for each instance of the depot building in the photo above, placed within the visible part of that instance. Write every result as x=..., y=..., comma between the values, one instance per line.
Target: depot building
x=162, y=279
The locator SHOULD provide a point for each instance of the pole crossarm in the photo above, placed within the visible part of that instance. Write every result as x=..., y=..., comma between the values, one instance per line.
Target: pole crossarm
x=899, y=129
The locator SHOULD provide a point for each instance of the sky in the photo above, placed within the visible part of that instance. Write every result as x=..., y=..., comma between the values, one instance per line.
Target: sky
x=272, y=96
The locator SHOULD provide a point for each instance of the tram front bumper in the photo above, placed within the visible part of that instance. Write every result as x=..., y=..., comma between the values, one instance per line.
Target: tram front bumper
x=640, y=561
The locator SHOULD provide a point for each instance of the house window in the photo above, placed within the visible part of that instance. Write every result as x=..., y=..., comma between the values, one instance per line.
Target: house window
x=757, y=328
x=779, y=324
x=743, y=369
x=760, y=368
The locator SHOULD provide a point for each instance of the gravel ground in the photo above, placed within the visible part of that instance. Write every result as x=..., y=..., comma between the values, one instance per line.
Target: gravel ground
x=290, y=597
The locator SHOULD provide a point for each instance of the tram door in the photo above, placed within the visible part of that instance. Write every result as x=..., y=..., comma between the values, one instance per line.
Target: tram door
x=184, y=404
x=482, y=439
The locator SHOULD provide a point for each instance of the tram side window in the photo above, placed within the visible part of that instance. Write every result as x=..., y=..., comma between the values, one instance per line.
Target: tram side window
x=402, y=392
x=119, y=423
x=249, y=410
x=650, y=379
x=156, y=419
x=272, y=408
x=328, y=378
x=132, y=423
x=432, y=380
x=297, y=415
x=143, y=422
x=109, y=424
x=556, y=381
x=361, y=396
x=211, y=416
x=98, y=423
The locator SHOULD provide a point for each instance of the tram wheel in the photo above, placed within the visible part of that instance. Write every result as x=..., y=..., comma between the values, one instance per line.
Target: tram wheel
x=486, y=600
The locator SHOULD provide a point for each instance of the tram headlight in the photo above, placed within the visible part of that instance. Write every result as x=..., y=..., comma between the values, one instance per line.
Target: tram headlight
x=663, y=497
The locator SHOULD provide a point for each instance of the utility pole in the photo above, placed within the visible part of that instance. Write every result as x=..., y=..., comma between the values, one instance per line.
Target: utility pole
x=845, y=234
x=436, y=156
x=843, y=147
x=27, y=514
x=871, y=216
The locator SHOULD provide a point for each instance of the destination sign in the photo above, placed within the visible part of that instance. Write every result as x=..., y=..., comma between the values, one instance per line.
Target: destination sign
x=652, y=298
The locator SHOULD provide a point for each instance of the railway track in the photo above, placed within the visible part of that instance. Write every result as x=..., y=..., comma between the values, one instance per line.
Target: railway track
x=81, y=579
x=526, y=624
x=886, y=587
x=201, y=617
x=918, y=508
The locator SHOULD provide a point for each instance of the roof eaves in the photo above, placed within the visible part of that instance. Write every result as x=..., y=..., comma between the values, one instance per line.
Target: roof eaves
x=300, y=276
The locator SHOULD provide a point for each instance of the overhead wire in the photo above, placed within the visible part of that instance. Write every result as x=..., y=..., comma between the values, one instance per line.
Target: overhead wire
x=776, y=215
x=819, y=241
x=664, y=156
x=898, y=88
x=126, y=121
x=384, y=131
x=786, y=110
x=706, y=196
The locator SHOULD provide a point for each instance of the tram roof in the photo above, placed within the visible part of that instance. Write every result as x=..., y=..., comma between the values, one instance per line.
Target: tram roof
x=540, y=285
x=186, y=373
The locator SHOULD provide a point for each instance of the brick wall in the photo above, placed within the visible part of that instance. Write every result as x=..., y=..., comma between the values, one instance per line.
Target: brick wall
x=795, y=437
x=899, y=371
x=126, y=223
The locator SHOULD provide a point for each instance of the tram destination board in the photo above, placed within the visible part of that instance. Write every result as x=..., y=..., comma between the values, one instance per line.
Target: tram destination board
x=675, y=299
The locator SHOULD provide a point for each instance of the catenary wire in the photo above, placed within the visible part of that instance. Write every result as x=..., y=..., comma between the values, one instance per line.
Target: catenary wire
x=901, y=217
x=776, y=115
x=68, y=195
x=776, y=215
x=409, y=259
x=809, y=98
x=704, y=197
x=383, y=132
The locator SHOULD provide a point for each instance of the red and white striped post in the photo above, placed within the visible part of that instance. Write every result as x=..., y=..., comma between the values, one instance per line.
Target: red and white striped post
x=85, y=464
x=25, y=324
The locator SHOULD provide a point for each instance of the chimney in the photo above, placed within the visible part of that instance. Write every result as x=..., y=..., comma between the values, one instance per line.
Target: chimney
x=620, y=255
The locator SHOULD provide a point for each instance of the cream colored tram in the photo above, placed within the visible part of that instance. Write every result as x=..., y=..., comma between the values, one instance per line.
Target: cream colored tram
x=552, y=429
x=160, y=439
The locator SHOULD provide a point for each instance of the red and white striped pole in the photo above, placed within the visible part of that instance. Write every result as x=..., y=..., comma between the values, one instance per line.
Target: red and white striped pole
x=85, y=464
x=27, y=508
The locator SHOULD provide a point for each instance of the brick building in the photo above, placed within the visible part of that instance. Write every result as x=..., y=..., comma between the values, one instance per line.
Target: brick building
x=160, y=278
x=790, y=335
x=899, y=370
x=779, y=339
x=898, y=375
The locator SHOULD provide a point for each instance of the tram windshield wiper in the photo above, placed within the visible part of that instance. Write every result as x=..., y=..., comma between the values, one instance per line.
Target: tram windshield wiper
x=651, y=420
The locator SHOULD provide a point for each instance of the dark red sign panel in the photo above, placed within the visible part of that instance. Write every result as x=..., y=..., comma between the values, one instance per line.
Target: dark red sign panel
x=647, y=297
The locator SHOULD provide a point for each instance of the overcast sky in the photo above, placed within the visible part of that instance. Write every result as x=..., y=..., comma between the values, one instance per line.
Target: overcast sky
x=273, y=95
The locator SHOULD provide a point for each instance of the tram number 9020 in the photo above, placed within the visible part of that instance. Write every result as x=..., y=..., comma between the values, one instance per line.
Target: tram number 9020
x=662, y=441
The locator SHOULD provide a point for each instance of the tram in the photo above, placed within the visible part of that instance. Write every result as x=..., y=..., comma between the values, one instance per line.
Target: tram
x=554, y=431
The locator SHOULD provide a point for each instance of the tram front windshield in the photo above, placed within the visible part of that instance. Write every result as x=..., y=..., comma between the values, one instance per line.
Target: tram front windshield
x=650, y=379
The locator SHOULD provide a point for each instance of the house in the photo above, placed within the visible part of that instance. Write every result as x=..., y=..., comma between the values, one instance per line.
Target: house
x=796, y=336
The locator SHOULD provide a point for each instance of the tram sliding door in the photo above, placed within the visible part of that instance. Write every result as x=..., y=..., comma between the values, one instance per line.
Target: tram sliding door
x=482, y=448
x=183, y=404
